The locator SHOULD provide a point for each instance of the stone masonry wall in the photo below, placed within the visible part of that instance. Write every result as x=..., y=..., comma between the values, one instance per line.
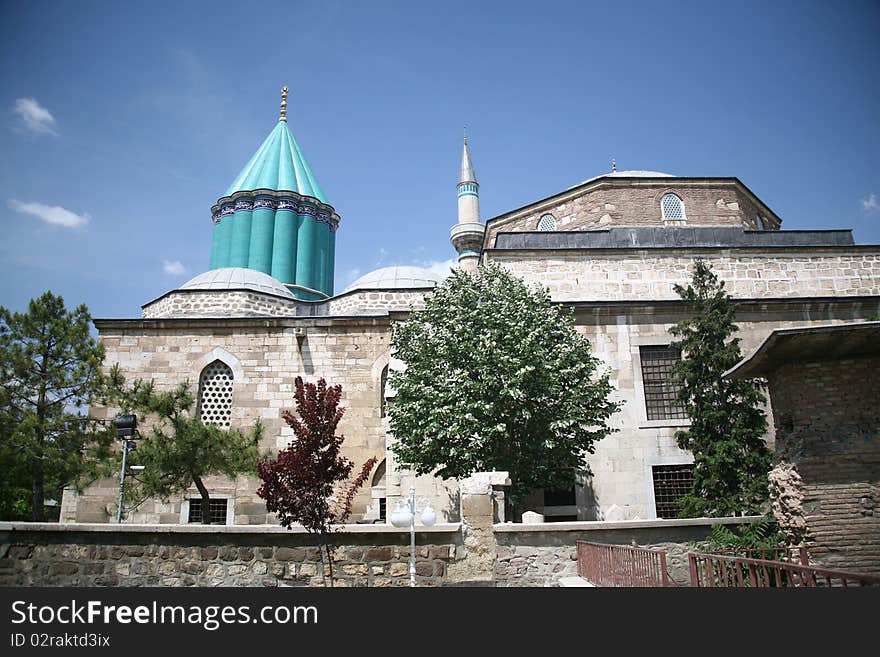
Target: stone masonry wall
x=612, y=204
x=228, y=303
x=232, y=303
x=827, y=417
x=538, y=555
x=375, y=301
x=149, y=557
x=641, y=275
x=266, y=359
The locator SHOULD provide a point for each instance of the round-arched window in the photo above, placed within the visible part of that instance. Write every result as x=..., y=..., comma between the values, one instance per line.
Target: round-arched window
x=215, y=395
x=547, y=222
x=672, y=207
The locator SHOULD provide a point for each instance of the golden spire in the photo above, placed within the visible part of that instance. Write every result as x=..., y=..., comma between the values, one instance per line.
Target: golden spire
x=283, y=104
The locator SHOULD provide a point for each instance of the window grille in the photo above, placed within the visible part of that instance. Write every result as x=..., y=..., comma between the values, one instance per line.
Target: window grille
x=671, y=483
x=215, y=395
x=672, y=207
x=547, y=223
x=661, y=395
x=216, y=509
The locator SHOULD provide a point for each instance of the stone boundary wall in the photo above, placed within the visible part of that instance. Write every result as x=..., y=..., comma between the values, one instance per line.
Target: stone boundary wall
x=34, y=554
x=751, y=274
x=541, y=554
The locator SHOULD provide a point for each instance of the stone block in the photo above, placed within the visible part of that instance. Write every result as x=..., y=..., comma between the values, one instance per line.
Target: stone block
x=378, y=554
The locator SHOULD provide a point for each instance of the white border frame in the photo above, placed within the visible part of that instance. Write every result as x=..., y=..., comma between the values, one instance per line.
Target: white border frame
x=230, y=507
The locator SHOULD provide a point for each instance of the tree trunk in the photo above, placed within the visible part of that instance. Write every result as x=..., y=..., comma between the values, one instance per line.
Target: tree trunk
x=321, y=556
x=206, y=500
x=38, y=497
x=330, y=564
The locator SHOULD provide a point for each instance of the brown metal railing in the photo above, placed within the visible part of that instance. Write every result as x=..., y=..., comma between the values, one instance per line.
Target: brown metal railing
x=715, y=570
x=621, y=565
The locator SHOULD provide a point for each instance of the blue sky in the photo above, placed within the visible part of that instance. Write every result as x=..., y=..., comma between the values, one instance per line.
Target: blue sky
x=122, y=123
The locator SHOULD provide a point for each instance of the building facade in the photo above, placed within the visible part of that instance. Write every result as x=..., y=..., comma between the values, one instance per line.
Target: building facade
x=611, y=247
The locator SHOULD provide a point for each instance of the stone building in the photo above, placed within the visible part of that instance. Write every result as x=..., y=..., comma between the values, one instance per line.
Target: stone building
x=826, y=406
x=611, y=247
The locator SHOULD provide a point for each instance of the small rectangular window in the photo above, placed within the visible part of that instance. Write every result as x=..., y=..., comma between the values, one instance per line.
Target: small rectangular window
x=661, y=396
x=671, y=483
x=217, y=509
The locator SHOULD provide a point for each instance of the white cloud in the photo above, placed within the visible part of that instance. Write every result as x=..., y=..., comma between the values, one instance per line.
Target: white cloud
x=34, y=116
x=51, y=214
x=173, y=267
x=441, y=268
x=870, y=204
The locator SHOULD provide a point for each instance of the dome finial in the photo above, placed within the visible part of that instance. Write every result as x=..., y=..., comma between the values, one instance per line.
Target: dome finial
x=613, y=165
x=465, y=134
x=283, y=116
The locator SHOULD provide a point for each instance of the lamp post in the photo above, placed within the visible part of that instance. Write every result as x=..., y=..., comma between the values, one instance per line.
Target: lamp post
x=125, y=428
x=405, y=514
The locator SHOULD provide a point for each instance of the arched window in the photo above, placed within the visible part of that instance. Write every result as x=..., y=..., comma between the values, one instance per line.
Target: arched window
x=547, y=223
x=215, y=394
x=383, y=384
x=672, y=208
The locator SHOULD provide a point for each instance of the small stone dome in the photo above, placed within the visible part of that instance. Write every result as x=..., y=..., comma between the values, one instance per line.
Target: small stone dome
x=626, y=174
x=388, y=278
x=238, y=278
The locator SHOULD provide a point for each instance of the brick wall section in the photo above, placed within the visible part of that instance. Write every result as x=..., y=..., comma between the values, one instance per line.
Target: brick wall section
x=642, y=275
x=827, y=418
x=35, y=558
x=618, y=203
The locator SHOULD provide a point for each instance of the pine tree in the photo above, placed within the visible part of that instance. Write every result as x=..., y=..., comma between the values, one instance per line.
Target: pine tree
x=179, y=450
x=726, y=435
x=497, y=378
x=49, y=365
x=305, y=483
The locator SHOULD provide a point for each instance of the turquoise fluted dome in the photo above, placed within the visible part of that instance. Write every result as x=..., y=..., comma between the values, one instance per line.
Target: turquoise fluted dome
x=279, y=165
x=274, y=218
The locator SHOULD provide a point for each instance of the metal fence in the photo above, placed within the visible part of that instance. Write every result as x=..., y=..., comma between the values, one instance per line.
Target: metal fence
x=716, y=570
x=621, y=565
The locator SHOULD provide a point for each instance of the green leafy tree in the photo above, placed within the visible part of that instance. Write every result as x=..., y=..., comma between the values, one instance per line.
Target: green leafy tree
x=179, y=450
x=497, y=378
x=50, y=368
x=726, y=435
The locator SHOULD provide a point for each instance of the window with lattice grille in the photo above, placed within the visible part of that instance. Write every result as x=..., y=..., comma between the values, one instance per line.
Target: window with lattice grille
x=215, y=394
x=216, y=510
x=671, y=483
x=672, y=207
x=547, y=223
x=661, y=395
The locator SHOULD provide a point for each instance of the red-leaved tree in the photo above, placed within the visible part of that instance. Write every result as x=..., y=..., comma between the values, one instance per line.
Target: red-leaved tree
x=306, y=483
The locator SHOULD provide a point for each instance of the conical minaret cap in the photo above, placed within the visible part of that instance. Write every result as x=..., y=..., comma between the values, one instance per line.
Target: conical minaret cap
x=467, y=167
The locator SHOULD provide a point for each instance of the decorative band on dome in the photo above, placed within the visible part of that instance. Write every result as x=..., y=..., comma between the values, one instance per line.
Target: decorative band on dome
x=288, y=204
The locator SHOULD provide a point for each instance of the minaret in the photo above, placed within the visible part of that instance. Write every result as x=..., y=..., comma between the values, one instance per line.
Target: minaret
x=467, y=235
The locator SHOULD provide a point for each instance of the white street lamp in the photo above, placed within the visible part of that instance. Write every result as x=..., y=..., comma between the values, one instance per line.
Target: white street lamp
x=404, y=515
